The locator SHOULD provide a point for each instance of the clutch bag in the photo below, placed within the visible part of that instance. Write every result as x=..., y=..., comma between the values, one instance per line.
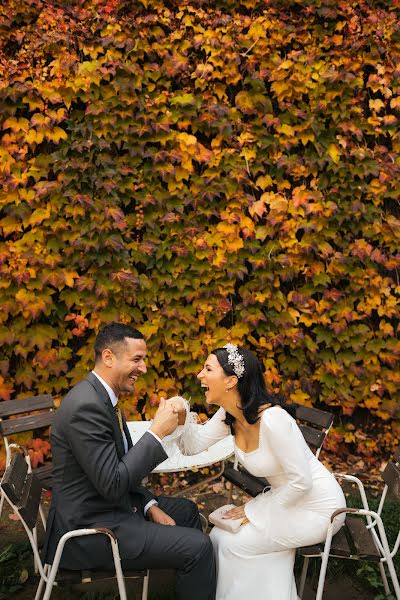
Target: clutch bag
x=233, y=525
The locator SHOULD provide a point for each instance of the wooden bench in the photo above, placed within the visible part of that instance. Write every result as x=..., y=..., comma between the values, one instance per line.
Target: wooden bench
x=314, y=425
x=27, y=414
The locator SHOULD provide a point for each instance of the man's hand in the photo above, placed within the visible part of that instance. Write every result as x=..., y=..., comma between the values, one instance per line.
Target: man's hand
x=180, y=407
x=235, y=513
x=165, y=420
x=157, y=515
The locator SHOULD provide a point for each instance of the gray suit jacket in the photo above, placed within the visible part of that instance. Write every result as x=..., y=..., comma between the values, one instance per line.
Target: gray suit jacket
x=95, y=482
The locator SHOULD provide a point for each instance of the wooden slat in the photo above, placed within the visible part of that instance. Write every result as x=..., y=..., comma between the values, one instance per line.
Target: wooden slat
x=391, y=477
x=313, y=437
x=27, y=423
x=24, y=405
x=247, y=482
x=362, y=539
x=314, y=416
x=44, y=473
x=29, y=505
x=14, y=478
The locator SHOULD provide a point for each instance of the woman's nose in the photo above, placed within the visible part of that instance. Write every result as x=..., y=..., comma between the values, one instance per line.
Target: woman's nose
x=199, y=375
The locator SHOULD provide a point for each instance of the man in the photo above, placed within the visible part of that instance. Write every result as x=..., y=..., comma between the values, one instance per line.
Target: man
x=98, y=473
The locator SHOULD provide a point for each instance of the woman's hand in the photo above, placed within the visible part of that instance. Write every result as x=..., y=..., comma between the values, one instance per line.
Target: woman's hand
x=235, y=513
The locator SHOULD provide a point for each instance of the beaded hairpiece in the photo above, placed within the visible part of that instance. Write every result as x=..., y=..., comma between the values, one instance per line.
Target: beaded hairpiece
x=235, y=359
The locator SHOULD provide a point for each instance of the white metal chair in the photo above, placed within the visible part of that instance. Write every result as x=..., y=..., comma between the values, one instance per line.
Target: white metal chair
x=359, y=539
x=22, y=490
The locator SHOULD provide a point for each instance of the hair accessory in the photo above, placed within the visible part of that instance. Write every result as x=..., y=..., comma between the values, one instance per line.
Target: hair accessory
x=235, y=359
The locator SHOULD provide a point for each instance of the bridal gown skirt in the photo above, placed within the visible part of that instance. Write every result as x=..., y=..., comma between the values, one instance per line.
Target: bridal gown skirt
x=258, y=564
x=247, y=569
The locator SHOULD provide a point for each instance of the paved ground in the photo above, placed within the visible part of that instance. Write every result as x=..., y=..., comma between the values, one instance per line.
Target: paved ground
x=339, y=587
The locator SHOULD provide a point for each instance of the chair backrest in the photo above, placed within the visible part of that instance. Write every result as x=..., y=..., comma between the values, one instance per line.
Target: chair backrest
x=391, y=477
x=22, y=489
x=28, y=422
x=314, y=425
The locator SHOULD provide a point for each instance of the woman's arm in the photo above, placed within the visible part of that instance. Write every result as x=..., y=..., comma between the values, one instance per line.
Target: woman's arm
x=290, y=449
x=197, y=438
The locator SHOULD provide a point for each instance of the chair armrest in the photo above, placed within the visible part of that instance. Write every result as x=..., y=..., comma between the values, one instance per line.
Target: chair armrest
x=359, y=484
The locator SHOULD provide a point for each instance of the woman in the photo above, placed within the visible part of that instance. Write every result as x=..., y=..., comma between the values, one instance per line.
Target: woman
x=257, y=561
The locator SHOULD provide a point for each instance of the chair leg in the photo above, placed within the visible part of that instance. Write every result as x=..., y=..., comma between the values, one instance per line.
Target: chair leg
x=145, y=589
x=324, y=562
x=41, y=583
x=393, y=575
x=204, y=522
x=118, y=570
x=35, y=562
x=384, y=579
x=303, y=577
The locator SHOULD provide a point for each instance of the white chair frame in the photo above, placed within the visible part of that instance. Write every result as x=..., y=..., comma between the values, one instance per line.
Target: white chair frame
x=48, y=572
x=377, y=529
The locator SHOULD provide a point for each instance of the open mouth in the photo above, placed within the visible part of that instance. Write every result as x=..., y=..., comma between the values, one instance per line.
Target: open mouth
x=132, y=378
x=203, y=385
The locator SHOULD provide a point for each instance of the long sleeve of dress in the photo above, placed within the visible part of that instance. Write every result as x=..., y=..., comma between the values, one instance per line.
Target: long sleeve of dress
x=197, y=438
x=287, y=444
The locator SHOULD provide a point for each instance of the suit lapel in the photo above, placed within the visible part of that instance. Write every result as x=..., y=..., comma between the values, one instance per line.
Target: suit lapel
x=103, y=395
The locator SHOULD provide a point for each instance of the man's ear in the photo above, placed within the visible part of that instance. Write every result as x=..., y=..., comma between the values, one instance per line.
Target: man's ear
x=108, y=357
x=232, y=382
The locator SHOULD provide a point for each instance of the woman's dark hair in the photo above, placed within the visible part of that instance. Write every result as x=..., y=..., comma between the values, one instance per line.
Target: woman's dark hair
x=251, y=386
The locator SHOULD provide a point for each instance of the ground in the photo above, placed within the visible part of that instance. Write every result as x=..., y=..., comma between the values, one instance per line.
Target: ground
x=340, y=585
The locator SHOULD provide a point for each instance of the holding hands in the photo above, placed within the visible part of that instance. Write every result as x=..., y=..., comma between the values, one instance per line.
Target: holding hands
x=179, y=405
x=165, y=420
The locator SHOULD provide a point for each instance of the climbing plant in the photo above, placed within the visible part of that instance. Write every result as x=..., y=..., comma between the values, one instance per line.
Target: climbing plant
x=208, y=171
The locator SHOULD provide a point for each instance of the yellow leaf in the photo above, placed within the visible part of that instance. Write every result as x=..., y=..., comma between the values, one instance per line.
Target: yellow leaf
x=264, y=181
x=16, y=124
x=286, y=64
x=70, y=277
x=186, y=140
x=39, y=215
x=276, y=202
x=56, y=134
x=300, y=397
x=395, y=102
x=286, y=130
x=334, y=153
x=376, y=105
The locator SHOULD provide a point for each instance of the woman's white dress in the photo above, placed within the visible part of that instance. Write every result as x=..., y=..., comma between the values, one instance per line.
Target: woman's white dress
x=257, y=562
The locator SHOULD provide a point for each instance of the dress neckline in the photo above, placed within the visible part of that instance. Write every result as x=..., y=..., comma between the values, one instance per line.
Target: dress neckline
x=259, y=439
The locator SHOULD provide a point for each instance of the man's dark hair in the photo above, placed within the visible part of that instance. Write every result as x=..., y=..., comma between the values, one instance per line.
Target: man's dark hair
x=112, y=335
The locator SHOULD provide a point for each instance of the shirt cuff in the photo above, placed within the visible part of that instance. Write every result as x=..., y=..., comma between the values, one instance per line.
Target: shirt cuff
x=149, y=505
x=155, y=435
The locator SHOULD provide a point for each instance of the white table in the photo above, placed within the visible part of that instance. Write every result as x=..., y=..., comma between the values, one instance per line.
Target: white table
x=218, y=452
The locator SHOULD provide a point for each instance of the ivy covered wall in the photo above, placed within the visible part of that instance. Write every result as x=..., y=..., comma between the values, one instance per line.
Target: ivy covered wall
x=209, y=171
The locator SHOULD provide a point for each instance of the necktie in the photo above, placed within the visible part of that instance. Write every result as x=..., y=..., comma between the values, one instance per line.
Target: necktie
x=119, y=417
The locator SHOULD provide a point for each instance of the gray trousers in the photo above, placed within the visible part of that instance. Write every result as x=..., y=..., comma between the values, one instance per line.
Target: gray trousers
x=182, y=547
